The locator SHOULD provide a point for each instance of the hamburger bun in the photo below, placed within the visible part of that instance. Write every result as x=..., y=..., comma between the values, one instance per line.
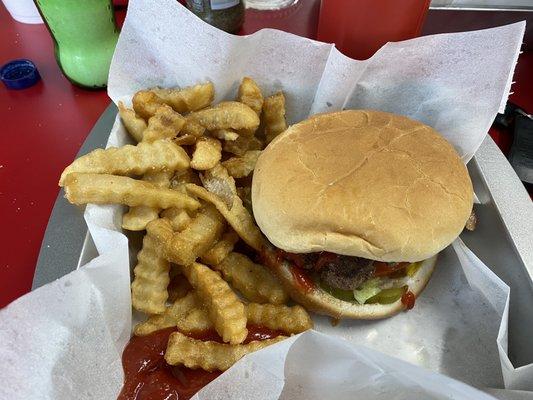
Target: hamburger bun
x=361, y=183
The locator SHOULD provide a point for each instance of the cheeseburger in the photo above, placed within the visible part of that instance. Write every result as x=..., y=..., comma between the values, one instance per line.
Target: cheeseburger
x=357, y=205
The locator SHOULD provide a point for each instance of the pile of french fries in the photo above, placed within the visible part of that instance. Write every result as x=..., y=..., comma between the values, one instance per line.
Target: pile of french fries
x=187, y=184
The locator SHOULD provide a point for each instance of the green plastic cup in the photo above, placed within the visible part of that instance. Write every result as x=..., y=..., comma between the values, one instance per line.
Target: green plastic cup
x=85, y=35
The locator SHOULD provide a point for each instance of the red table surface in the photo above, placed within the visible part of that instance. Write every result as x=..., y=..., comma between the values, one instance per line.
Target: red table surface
x=43, y=127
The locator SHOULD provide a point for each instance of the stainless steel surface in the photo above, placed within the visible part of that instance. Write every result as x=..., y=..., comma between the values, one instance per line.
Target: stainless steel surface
x=510, y=394
x=65, y=234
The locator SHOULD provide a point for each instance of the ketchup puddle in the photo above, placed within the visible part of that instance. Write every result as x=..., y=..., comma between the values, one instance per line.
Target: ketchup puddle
x=147, y=376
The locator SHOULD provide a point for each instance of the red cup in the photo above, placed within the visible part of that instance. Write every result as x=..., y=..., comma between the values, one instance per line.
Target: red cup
x=360, y=27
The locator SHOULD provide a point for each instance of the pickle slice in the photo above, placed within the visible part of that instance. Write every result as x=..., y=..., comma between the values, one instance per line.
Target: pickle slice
x=341, y=294
x=413, y=268
x=387, y=296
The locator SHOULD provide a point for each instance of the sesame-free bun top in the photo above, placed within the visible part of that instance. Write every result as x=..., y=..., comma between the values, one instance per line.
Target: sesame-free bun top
x=361, y=183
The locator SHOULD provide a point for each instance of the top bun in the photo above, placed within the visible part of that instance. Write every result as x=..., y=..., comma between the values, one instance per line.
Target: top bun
x=361, y=183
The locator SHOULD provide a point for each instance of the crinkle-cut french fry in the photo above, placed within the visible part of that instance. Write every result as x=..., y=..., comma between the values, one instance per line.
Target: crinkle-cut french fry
x=217, y=181
x=161, y=155
x=146, y=103
x=149, y=288
x=185, y=140
x=138, y=217
x=250, y=94
x=112, y=189
x=237, y=216
x=239, y=167
x=207, y=153
x=254, y=281
x=164, y=124
x=186, y=313
x=221, y=249
x=279, y=317
x=187, y=99
x=184, y=176
x=225, y=309
x=274, y=116
x=225, y=134
x=178, y=287
x=198, y=237
x=192, y=128
x=134, y=124
x=160, y=178
x=245, y=194
x=243, y=144
x=179, y=219
x=162, y=230
x=207, y=355
x=226, y=115
x=196, y=320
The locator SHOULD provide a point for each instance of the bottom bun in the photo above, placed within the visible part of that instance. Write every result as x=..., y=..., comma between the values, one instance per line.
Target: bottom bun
x=321, y=302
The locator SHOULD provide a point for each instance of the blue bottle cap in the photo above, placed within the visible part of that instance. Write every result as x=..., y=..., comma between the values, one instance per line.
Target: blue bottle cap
x=19, y=74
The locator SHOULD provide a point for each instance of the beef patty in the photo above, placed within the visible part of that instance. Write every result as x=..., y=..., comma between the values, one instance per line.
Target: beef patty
x=347, y=273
